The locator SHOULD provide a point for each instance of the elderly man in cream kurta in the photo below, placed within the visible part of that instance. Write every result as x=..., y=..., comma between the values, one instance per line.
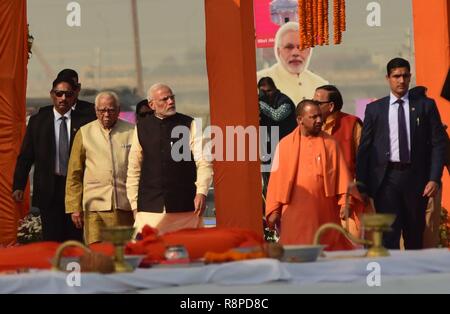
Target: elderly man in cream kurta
x=165, y=192
x=290, y=73
x=97, y=172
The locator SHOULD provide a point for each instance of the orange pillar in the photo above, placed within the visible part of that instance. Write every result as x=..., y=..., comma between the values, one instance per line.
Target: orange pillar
x=431, y=41
x=231, y=64
x=13, y=86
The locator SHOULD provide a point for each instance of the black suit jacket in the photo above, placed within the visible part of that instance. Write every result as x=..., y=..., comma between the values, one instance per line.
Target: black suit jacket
x=39, y=149
x=428, y=144
x=86, y=109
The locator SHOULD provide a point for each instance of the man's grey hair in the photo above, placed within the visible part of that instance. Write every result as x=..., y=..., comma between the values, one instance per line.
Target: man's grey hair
x=154, y=88
x=288, y=27
x=107, y=94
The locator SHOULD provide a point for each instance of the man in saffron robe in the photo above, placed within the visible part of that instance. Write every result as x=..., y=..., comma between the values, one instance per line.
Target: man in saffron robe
x=346, y=129
x=308, y=182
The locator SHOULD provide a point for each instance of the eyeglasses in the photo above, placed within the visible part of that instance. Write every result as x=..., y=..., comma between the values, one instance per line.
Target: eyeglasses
x=165, y=99
x=60, y=93
x=105, y=110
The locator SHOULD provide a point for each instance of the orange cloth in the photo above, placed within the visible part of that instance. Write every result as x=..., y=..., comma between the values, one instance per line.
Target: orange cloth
x=346, y=130
x=13, y=86
x=40, y=254
x=238, y=202
x=310, y=180
x=197, y=241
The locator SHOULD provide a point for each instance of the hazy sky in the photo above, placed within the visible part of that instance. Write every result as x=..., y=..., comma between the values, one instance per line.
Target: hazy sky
x=169, y=29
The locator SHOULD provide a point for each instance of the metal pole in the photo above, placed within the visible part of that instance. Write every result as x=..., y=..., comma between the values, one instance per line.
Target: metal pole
x=137, y=49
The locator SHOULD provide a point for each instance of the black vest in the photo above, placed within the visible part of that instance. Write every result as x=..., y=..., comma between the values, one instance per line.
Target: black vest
x=163, y=181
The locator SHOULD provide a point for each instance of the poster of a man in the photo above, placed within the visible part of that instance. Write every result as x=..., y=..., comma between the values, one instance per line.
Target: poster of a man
x=290, y=73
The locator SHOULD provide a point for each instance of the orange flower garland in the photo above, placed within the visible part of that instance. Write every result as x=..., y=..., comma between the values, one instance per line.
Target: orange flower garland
x=320, y=39
x=342, y=16
x=315, y=22
x=309, y=26
x=336, y=24
x=314, y=25
x=325, y=22
x=302, y=23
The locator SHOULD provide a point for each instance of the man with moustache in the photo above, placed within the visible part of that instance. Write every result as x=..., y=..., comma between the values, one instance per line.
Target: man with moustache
x=346, y=129
x=83, y=108
x=46, y=145
x=96, y=195
x=166, y=192
x=290, y=73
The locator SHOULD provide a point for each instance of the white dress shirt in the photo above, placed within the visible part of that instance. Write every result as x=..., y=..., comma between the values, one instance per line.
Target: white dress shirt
x=393, y=125
x=57, y=123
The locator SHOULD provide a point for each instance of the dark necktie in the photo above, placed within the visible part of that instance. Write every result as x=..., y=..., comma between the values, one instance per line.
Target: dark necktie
x=402, y=133
x=63, y=147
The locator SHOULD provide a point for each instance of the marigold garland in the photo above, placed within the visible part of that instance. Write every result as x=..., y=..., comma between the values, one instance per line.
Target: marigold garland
x=320, y=39
x=314, y=25
x=309, y=26
x=342, y=16
x=336, y=23
x=302, y=23
x=325, y=23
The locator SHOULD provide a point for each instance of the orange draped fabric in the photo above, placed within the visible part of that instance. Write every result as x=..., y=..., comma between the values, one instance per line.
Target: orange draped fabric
x=231, y=65
x=432, y=58
x=311, y=177
x=196, y=241
x=343, y=133
x=13, y=84
x=40, y=254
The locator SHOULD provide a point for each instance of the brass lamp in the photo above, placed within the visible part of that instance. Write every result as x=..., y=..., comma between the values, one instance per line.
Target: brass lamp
x=118, y=236
x=374, y=223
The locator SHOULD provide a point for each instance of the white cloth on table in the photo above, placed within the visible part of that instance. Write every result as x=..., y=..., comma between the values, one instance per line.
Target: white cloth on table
x=235, y=273
x=402, y=264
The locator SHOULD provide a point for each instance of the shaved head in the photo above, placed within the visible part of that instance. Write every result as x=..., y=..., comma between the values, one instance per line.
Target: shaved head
x=309, y=117
x=300, y=110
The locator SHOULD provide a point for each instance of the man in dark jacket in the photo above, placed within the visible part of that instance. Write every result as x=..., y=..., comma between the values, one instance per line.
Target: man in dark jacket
x=277, y=114
x=47, y=145
x=401, y=156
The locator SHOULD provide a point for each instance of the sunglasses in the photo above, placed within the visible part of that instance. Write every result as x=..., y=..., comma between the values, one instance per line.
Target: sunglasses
x=60, y=93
